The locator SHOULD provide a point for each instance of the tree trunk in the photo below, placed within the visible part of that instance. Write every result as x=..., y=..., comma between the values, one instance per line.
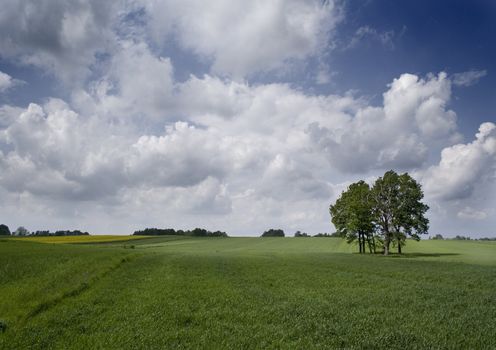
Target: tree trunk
x=386, y=246
x=369, y=244
x=399, y=246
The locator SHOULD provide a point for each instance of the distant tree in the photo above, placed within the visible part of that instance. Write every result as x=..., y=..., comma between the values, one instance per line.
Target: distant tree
x=352, y=215
x=398, y=210
x=197, y=232
x=4, y=230
x=462, y=238
x=21, y=231
x=438, y=236
x=301, y=234
x=273, y=233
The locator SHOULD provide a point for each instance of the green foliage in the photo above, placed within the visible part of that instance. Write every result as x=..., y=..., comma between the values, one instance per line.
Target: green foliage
x=21, y=231
x=273, y=233
x=398, y=209
x=187, y=292
x=352, y=214
x=389, y=212
x=4, y=230
x=197, y=232
x=301, y=234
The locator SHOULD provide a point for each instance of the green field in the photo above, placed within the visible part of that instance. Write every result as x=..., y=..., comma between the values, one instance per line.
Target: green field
x=78, y=239
x=183, y=292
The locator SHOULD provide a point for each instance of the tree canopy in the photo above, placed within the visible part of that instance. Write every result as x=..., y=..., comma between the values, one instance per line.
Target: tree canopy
x=273, y=233
x=4, y=230
x=389, y=212
x=352, y=215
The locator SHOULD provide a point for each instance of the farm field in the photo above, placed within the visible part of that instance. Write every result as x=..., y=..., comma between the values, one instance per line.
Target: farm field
x=184, y=292
x=78, y=239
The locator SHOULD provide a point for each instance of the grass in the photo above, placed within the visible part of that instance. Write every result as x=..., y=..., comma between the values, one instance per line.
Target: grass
x=183, y=292
x=78, y=239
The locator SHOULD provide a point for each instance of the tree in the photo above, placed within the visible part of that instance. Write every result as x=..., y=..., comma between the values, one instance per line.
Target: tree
x=352, y=215
x=301, y=234
x=273, y=233
x=438, y=236
x=21, y=231
x=398, y=209
x=4, y=230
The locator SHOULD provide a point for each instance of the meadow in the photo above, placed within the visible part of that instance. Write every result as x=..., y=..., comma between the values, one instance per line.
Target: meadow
x=184, y=292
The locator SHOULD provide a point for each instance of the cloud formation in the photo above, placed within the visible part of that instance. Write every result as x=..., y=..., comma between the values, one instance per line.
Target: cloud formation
x=6, y=81
x=468, y=78
x=245, y=37
x=131, y=144
x=464, y=167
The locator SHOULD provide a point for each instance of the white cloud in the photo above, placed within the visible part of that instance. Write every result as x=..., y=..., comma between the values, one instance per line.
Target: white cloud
x=137, y=85
x=396, y=135
x=468, y=78
x=61, y=36
x=269, y=150
x=245, y=37
x=469, y=213
x=464, y=167
x=6, y=81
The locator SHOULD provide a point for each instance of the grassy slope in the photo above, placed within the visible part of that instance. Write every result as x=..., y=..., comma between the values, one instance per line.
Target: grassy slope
x=247, y=292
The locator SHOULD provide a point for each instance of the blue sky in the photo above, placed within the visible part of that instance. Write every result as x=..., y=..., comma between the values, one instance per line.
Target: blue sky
x=242, y=116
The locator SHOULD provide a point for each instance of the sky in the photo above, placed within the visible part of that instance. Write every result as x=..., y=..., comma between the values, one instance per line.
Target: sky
x=242, y=116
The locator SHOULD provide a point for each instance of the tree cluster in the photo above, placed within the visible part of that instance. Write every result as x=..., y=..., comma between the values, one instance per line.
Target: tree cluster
x=320, y=234
x=197, y=232
x=4, y=230
x=273, y=233
x=384, y=214
x=23, y=232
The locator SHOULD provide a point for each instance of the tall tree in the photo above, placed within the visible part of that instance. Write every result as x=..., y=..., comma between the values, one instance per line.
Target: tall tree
x=410, y=217
x=398, y=209
x=385, y=196
x=352, y=215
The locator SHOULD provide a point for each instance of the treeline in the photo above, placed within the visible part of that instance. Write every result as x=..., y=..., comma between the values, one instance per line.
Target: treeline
x=60, y=233
x=280, y=233
x=23, y=232
x=197, y=232
x=320, y=234
x=462, y=238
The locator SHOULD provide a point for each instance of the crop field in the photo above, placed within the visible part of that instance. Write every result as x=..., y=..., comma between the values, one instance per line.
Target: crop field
x=233, y=293
x=78, y=239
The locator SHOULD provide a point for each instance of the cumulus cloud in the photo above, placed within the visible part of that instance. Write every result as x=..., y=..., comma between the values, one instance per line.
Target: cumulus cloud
x=137, y=85
x=61, y=36
x=132, y=144
x=396, y=135
x=245, y=37
x=464, y=167
x=469, y=213
x=237, y=146
x=468, y=78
